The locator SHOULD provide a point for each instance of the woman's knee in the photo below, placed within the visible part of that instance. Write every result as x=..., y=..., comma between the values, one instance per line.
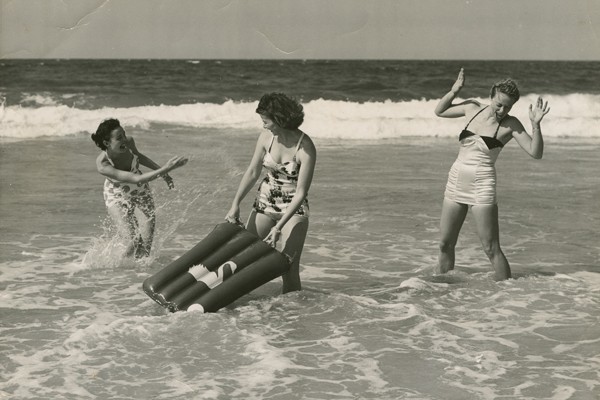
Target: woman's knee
x=491, y=247
x=446, y=245
x=122, y=220
x=151, y=219
x=149, y=212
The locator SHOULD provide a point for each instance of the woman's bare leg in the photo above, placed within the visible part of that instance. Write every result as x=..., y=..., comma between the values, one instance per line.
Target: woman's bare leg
x=486, y=219
x=146, y=235
x=451, y=221
x=291, y=243
x=293, y=235
x=127, y=225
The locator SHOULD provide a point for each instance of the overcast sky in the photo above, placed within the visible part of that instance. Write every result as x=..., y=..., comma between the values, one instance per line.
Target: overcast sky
x=301, y=29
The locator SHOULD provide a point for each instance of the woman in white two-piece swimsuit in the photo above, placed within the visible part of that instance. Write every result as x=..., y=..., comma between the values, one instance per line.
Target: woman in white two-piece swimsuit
x=126, y=187
x=472, y=178
x=281, y=206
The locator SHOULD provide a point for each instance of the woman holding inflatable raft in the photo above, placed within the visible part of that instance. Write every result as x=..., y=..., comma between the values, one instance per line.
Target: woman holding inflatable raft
x=280, y=210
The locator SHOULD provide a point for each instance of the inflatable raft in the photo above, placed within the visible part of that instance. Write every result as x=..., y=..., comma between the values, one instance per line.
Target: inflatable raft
x=227, y=264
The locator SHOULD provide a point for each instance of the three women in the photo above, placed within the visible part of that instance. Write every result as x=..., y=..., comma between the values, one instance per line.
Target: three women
x=280, y=211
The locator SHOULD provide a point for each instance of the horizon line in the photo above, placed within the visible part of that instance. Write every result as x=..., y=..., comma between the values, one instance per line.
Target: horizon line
x=290, y=59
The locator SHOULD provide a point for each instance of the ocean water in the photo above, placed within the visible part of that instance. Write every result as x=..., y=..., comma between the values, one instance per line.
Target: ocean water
x=373, y=321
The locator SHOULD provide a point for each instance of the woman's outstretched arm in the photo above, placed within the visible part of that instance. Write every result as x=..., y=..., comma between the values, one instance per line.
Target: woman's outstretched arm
x=446, y=109
x=105, y=168
x=249, y=179
x=148, y=162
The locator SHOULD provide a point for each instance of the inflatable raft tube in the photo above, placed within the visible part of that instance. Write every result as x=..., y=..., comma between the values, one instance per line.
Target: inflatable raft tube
x=227, y=264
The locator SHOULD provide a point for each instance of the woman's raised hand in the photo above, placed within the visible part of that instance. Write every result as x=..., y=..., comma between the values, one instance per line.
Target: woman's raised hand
x=460, y=81
x=537, y=112
x=176, y=162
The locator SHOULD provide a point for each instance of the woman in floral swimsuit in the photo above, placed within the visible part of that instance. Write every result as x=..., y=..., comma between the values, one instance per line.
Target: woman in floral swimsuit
x=126, y=187
x=281, y=205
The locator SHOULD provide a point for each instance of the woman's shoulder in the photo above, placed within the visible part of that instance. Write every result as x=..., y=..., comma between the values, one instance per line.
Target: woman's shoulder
x=265, y=138
x=102, y=157
x=513, y=123
x=474, y=102
x=472, y=106
x=102, y=161
x=307, y=144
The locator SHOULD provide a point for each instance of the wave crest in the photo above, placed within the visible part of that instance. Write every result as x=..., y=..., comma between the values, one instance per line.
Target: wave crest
x=574, y=115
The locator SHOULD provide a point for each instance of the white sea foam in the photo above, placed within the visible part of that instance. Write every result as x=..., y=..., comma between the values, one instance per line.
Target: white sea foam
x=574, y=115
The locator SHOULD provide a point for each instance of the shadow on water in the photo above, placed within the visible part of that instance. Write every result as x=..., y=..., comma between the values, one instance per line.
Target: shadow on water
x=449, y=279
x=532, y=274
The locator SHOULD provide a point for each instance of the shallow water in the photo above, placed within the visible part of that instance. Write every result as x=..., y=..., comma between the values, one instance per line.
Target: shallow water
x=373, y=321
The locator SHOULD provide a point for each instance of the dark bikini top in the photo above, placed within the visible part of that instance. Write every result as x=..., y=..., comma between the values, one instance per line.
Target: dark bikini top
x=491, y=142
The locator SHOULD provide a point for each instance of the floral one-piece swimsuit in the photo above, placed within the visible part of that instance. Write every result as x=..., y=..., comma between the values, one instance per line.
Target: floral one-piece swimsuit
x=277, y=190
x=128, y=195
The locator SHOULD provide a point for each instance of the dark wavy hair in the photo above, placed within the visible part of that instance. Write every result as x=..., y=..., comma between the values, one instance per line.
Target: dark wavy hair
x=281, y=109
x=508, y=87
x=104, y=130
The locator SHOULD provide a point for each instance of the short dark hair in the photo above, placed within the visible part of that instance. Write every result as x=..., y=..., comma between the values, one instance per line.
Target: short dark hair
x=508, y=87
x=104, y=130
x=281, y=109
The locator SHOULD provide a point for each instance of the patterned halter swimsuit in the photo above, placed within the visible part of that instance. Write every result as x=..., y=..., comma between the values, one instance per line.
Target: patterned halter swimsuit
x=128, y=195
x=276, y=191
